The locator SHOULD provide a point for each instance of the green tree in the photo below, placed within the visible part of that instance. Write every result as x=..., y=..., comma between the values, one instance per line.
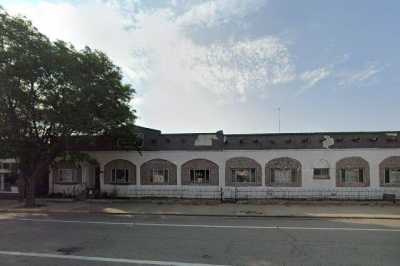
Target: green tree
x=50, y=93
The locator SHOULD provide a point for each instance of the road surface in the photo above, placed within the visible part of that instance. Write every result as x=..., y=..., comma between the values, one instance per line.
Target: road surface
x=187, y=241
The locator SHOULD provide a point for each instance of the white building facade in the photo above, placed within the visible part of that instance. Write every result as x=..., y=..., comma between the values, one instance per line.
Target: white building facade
x=213, y=165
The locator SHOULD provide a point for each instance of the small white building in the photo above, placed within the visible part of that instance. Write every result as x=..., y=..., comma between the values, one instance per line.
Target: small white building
x=334, y=165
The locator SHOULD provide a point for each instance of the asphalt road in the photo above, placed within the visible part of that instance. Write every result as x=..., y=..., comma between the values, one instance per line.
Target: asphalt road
x=166, y=240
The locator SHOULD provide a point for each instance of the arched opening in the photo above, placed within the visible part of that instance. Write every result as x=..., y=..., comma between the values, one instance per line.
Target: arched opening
x=120, y=172
x=389, y=172
x=283, y=172
x=242, y=171
x=200, y=172
x=158, y=172
x=352, y=172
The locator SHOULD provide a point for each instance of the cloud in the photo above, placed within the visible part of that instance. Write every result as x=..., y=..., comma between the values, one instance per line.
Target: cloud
x=312, y=77
x=215, y=13
x=193, y=82
x=245, y=67
x=180, y=83
x=359, y=77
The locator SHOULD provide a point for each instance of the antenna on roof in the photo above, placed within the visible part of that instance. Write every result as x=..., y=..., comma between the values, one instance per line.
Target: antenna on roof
x=279, y=119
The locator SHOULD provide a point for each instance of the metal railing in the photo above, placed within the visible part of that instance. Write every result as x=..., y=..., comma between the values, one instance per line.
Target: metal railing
x=243, y=193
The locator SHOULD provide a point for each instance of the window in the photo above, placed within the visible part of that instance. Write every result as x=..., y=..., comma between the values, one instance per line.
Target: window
x=200, y=176
x=120, y=176
x=244, y=175
x=321, y=173
x=283, y=176
x=352, y=176
x=392, y=176
x=139, y=140
x=66, y=175
x=160, y=176
x=6, y=166
x=9, y=181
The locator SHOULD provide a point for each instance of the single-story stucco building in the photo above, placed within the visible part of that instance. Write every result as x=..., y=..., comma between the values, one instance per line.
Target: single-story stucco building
x=338, y=165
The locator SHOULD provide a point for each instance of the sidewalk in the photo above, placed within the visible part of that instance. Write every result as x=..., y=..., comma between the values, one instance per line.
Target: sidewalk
x=303, y=209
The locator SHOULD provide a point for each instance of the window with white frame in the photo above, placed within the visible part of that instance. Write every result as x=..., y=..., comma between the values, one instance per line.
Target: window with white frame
x=281, y=176
x=352, y=176
x=67, y=175
x=200, y=176
x=160, y=176
x=120, y=175
x=321, y=173
x=243, y=175
x=392, y=176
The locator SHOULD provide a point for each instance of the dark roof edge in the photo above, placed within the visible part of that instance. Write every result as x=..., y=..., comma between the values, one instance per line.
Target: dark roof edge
x=316, y=133
x=148, y=128
x=188, y=134
x=274, y=133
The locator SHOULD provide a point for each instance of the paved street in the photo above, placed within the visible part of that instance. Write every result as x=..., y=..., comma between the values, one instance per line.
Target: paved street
x=169, y=240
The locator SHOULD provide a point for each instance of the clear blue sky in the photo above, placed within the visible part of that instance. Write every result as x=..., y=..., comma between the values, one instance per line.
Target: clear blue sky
x=205, y=65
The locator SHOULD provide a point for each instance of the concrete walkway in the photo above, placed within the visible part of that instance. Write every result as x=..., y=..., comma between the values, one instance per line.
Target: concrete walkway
x=304, y=209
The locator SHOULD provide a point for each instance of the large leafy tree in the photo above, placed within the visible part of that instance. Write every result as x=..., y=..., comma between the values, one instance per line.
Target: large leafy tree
x=50, y=93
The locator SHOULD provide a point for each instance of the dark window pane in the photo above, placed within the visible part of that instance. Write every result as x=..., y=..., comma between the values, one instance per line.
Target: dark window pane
x=325, y=171
x=294, y=175
x=192, y=174
x=387, y=175
x=166, y=174
x=199, y=176
x=272, y=176
x=253, y=175
x=361, y=175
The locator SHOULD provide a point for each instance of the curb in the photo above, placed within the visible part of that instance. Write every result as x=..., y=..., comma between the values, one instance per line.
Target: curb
x=205, y=214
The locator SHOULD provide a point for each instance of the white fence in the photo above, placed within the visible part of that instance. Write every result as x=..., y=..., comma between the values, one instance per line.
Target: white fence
x=241, y=193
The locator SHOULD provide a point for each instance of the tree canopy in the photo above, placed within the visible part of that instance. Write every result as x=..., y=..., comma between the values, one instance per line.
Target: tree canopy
x=50, y=91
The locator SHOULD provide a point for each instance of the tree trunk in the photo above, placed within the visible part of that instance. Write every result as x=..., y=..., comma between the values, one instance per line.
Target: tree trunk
x=34, y=170
x=30, y=192
x=30, y=181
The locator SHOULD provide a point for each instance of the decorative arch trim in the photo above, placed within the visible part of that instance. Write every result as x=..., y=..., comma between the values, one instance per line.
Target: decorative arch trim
x=158, y=172
x=351, y=169
x=242, y=164
x=283, y=172
x=119, y=165
x=321, y=163
x=200, y=167
x=388, y=168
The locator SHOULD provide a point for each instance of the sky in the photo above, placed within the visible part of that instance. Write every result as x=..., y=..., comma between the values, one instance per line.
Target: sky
x=240, y=65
